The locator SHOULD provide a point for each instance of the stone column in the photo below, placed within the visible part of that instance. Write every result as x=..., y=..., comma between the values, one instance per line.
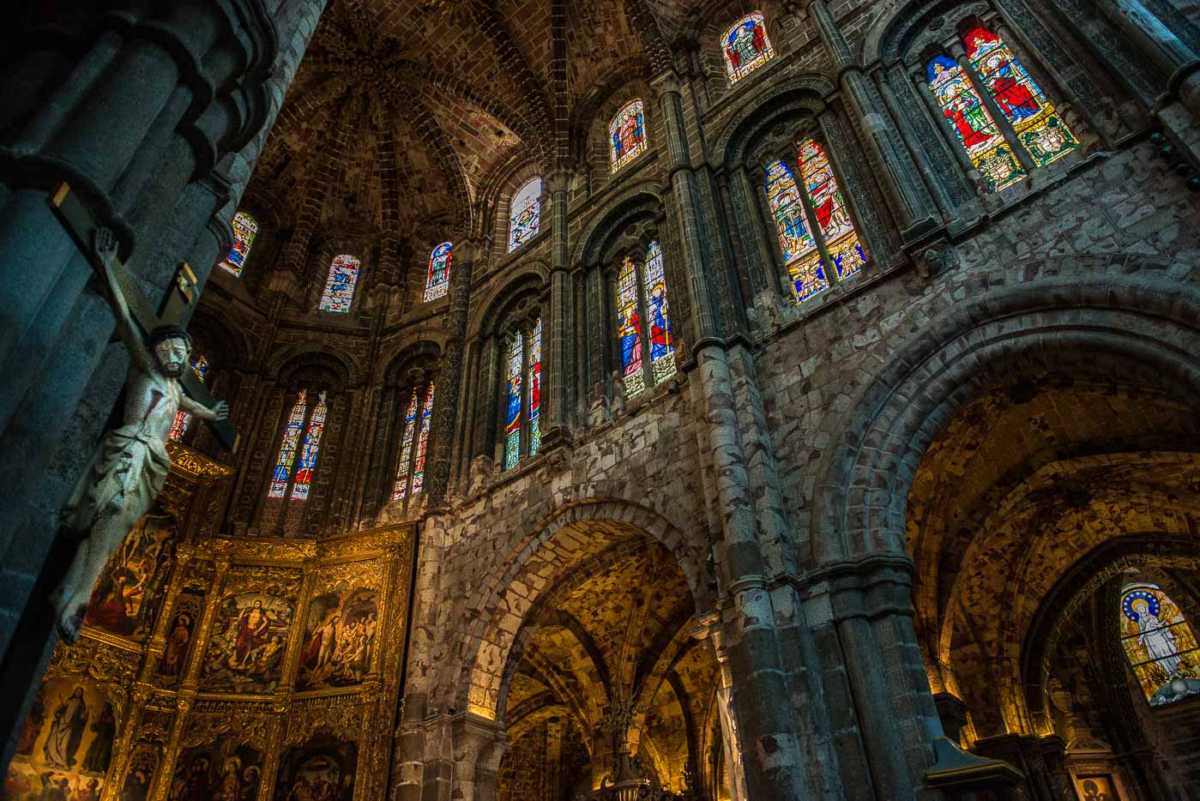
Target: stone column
x=557, y=414
x=478, y=745
x=450, y=378
x=1168, y=52
x=912, y=205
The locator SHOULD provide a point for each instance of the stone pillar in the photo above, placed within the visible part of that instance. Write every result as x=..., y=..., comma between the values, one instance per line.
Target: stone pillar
x=731, y=743
x=450, y=377
x=478, y=745
x=1168, y=52
x=912, y=205
x=559, y=347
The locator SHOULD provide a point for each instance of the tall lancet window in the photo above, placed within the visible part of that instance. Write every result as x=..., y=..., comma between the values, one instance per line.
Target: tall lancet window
x=525, y=214
x=418, y=418
x=295, y=455
x=746, y=46
x=245, y=229
x=339, y=285
x=817, y=237
x=535, y=387
x=183, y=420
x=521, y=391
x=437, y=282
x=627, y=134
x=991, y=67
x=513, y=399
x=1159, y=644
x=644, y=322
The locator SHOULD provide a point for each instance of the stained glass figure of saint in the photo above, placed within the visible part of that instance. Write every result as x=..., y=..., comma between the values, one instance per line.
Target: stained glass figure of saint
x=800, y=254
x=437, y=282
x=400, y=488
x=339, y=286
x=1160, y=645
x=512, y=401
x=288, y=446
x=525, y=217
x=535, y=388
x=627, y=134
x=629, y=329
x=245, y=229
x=746, y=46
x=662, y=340
x=308, y=452
x=418, y=481
x=833, y=218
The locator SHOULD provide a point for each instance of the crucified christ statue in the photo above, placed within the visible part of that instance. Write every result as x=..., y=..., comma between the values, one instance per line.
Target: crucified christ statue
x=132, y=464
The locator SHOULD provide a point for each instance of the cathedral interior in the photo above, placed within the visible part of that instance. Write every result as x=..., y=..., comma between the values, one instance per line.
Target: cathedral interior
x=628, y=400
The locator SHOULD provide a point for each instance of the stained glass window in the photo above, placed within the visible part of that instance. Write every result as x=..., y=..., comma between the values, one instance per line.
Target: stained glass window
x=339, y=287
x=245, y=228
x=1036, y=122
x=1160, y=645
x=423, y=442
x=662, y=338
x=973, y=124
x=525, y=217
x=438, y=280
x=829, y=207
x=183, y=420
x=627, y=134
x=400, y=488
x=287, y=447
x=308, y=453
x=535, y=387
x=746, y=46
x=799, y=248
x=512, y=401
x=629, y=329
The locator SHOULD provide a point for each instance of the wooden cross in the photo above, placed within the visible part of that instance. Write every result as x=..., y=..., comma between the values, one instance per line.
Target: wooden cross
x=174, y=309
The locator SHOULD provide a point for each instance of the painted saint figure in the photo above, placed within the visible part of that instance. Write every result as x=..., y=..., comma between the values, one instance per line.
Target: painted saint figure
x=131, y=468
x=66, y=730
x=1156, y=637
x=251, y=632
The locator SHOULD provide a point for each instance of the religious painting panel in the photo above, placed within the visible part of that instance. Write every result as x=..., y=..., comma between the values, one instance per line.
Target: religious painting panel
x=340, y=637
x=223, y=771
x=65, y=744
x=181, y=632
x=130, y=589
x=250, y=632
x=1095, y=788
x=143, y=765
x=323, y=768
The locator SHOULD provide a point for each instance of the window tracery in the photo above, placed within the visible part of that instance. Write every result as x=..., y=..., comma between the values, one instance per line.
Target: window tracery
x=817, y=237
x=525, y=215
x=339, y=286
x=1159, y=644
x=746, y=46
x=245, y=229
x=641, y=295
x=437, y=281
x=627, y=134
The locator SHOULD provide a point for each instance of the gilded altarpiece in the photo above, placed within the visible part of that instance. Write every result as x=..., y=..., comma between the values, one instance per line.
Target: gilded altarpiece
x=225, y=669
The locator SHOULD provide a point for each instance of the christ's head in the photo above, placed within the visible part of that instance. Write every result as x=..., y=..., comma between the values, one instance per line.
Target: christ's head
x=172, y=346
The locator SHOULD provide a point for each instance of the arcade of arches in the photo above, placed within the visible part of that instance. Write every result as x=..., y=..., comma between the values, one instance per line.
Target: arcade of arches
x=629, y=399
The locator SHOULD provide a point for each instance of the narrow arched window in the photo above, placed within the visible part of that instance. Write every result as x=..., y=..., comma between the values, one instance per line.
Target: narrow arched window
x=627, y=134
x=438, y=279
x=644, y=322
x=307, y=465
x=1028, y=120
x=818, y=241
x=521, y=403
x=245, y=228
x=525, y=214
x=1159, y=644
x=513, y=399
x=183, y=420
x=339, y=286
x=746, y=46
x=281, y=476
x=418, y=417
x=535, y=387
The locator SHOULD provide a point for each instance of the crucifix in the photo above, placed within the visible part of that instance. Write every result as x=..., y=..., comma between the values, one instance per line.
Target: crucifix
x=129, y=471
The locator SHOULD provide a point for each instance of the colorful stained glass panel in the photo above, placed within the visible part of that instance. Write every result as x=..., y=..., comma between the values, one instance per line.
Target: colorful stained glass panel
x=307, y=466
x=1160, y=645
x=662, y=339
x=829, y=207
x=287, y=448
x=627, y=134
x=339, y=286
x=746, y=47
x=400, y=487
x=973, y=124
x=1022, y=101
x=799, y=248
x=629, y=329
x=245, y=228
x=437, y=282
x=525, y=218
x=535, y=388
x=418, y=481
x=512, y=402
